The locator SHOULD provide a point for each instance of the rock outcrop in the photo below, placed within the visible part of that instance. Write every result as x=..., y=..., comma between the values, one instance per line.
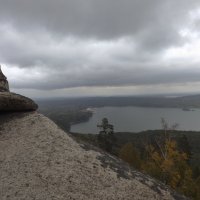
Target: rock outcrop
x=40, y=161
x=4, y=87
x=11, y=102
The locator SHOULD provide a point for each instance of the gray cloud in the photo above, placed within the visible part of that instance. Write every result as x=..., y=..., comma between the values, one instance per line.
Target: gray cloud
x=62, y=44
x=105, y=19
x=96, y=76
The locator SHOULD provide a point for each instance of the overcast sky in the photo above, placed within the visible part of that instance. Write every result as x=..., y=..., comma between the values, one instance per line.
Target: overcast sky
x=100, y=47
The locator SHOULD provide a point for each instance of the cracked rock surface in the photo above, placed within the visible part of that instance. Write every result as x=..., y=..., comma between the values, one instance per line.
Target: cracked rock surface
x=39, y=161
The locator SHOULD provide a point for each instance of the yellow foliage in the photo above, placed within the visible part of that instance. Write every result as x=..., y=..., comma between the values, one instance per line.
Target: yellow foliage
x=129, y=154
x=165, y=162
x=175, y=179
x=169, y=165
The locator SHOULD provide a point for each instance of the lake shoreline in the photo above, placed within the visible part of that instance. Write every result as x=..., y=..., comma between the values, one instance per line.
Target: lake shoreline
x=137, y=119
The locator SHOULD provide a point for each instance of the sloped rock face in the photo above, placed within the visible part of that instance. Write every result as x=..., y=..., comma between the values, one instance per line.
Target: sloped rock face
x=39, y=161
x=11, y=102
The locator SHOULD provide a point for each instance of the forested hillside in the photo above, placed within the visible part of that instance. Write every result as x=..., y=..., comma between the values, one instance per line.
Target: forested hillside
x=180, y=169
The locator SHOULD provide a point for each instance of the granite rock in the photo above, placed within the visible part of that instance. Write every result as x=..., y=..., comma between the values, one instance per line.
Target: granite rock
x=4, y=86
x=11, y=102
x=40, y=161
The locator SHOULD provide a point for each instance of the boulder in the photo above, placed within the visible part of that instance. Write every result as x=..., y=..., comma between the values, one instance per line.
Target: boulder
x=11, y=102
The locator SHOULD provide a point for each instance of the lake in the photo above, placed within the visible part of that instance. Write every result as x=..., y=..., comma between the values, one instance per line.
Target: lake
x=135, y=119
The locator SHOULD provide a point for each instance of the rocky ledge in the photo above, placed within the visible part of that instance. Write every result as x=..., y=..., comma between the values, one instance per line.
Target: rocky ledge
x=11, y=102
x=40, y=161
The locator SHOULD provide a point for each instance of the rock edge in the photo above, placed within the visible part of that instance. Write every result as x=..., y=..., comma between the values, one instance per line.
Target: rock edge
x=11, y=102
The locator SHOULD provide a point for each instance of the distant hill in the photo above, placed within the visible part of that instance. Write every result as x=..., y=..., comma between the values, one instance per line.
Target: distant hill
x=192, y=101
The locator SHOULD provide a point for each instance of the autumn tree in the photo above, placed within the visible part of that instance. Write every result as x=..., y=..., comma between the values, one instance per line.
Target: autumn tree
x=167, y=163
x=129, y=154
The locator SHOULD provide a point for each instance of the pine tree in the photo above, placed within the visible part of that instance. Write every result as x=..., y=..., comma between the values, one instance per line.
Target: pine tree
x=106, y=135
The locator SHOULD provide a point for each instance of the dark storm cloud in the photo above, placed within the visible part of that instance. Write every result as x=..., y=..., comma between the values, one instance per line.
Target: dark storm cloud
x=107, y=19
x=89, y=18
x=95, y=42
